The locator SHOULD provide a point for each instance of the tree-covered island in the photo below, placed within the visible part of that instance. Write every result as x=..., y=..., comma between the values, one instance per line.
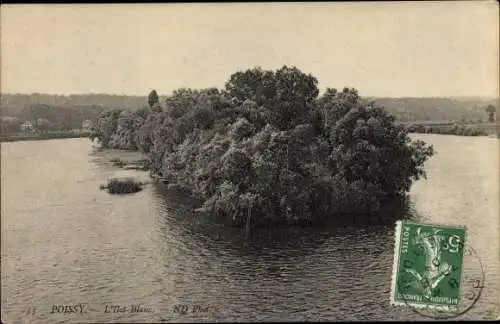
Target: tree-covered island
x=268, y=149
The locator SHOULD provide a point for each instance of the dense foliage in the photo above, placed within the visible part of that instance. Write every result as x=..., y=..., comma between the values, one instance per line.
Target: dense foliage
x=117, y=128
x=267, y=146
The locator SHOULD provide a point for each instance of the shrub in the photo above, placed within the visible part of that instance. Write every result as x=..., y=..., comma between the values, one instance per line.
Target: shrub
x=122, y=186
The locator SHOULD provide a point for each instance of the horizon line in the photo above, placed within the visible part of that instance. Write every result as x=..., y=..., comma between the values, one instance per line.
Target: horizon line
x=162, y=95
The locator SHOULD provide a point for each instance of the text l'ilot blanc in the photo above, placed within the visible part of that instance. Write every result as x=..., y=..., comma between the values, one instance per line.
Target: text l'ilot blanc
x=123, y=309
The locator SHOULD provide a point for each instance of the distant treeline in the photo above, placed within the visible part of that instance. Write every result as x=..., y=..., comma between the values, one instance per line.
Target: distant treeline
x=469, y=110
x=88, y=106
x=43, y=118
x=56, y=112
x=12, y=103
x=43, y=136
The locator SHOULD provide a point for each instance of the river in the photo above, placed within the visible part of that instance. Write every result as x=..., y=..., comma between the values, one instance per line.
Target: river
x=64, y=242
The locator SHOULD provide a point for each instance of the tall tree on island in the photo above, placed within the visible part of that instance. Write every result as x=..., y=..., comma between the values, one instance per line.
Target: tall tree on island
x=491, y=111
x=154, y=101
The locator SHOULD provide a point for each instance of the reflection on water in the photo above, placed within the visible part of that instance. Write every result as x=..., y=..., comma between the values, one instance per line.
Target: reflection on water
x=300, y=273
x=64, y=241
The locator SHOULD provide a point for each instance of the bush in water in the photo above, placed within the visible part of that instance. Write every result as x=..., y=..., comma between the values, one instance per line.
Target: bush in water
x=123, y=186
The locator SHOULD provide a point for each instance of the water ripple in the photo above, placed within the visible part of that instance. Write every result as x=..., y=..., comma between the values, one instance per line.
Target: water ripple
x=83, y=245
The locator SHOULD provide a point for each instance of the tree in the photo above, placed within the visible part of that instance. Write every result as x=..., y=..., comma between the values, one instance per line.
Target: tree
x=295, y=95
x=253, y=84
x=10, y=124
x=124, y=135
x=43, y=125
x=105, y=126
x=491, y=111
x=288, y=94
x=154, y=100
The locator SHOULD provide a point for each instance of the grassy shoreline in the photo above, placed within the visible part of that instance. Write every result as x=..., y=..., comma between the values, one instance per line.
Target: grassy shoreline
x=38, y=137
x=452, y=128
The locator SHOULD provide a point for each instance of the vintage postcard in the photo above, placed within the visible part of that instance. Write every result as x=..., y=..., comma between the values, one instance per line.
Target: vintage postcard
x=249, y=162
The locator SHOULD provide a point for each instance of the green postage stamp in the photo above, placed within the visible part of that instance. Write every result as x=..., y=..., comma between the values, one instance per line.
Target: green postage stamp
x=427, y=266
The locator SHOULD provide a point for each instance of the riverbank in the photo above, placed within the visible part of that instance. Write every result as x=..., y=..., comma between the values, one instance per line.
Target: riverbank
x=38, y=137
x=451, y=128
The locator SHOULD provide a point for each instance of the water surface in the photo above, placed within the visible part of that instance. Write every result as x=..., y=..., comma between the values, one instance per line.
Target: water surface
x=64, y=241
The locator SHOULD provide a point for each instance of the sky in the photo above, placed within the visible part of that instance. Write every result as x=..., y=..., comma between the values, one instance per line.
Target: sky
x=394, y=49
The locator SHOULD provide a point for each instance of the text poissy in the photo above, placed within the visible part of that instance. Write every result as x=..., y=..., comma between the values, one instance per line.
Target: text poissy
x=76, y=308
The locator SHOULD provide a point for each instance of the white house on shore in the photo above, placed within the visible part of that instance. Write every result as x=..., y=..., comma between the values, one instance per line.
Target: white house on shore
x=27, y=127
x=86, y=125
